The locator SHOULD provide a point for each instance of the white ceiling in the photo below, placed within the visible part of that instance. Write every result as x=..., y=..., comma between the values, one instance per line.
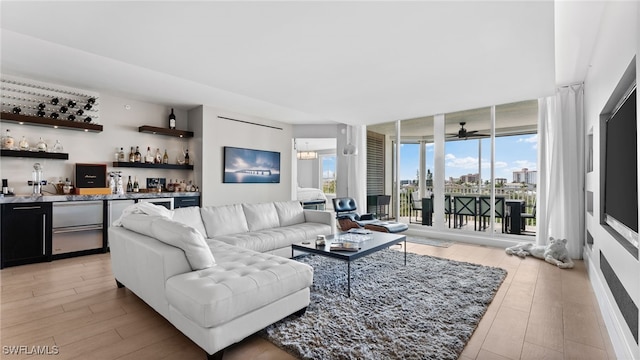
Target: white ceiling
x=302, y=62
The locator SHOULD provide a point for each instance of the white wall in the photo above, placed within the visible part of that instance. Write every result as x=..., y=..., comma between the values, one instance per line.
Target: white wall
x=618, y=42
x=215, y=133
x=120, y=129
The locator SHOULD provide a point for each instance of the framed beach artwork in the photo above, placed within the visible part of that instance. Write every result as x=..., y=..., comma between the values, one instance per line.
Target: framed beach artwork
x=251, y=166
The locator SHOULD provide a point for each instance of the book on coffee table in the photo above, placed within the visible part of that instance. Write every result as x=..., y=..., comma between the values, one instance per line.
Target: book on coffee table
x=344, y=246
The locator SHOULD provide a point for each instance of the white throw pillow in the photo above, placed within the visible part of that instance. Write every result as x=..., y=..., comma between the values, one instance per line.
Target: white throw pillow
x=290, y=212
x=261, y=216
x=190, y=216
x=186, y=238
x=175, y=234
x=224, y=220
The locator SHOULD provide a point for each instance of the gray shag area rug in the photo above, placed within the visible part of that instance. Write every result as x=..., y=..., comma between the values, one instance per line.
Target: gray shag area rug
x=427, y=241
x=427, y=309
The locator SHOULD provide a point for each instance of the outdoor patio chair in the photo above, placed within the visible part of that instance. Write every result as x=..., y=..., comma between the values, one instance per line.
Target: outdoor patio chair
x=525, y=215
x=485, y=210
x=464, y=206
x=447, y=208
x=416, y=206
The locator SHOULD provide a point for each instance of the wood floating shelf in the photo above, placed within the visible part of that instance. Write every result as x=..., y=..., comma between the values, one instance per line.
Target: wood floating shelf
x=34, y=154
x=152, y=166
x=46, y=121
x=163, y=131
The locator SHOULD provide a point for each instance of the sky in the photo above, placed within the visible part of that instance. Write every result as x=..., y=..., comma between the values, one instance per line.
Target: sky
x=461, y=157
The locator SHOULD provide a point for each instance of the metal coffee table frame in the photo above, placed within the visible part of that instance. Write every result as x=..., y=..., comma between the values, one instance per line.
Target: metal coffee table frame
x=378, y=242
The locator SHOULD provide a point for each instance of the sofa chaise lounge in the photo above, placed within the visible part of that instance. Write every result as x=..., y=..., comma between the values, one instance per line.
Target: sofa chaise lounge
x=213, y=272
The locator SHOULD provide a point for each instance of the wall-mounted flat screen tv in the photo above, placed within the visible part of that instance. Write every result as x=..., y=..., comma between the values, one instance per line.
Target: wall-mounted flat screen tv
x=251, y=166
x=621, y=170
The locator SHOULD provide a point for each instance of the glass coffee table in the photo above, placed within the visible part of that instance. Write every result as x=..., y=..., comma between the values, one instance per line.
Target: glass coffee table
x=376, y=242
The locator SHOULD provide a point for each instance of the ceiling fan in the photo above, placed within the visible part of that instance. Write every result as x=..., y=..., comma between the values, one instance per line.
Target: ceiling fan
x=465, y=134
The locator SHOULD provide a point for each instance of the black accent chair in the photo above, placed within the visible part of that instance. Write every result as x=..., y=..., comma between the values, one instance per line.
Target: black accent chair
x=348, y=218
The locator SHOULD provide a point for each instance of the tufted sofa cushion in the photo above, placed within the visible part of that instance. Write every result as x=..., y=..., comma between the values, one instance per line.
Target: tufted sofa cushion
x=223, y=220
x=242, y=281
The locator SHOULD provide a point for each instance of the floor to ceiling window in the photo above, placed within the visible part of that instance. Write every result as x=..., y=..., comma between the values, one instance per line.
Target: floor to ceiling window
x=478, y=168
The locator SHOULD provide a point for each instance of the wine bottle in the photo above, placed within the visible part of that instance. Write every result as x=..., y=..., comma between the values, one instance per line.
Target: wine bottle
x=186, y=157
x=172, y=120
x=136, y=186
x=132, y=156
x=129, y=185
x=165, y=158
x=138, y=156
x=158, y=159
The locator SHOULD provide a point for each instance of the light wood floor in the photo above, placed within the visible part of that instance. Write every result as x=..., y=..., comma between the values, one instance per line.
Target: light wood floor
x=539, y=312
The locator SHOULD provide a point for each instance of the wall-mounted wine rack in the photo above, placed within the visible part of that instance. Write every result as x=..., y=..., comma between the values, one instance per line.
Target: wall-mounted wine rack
x=35, y=99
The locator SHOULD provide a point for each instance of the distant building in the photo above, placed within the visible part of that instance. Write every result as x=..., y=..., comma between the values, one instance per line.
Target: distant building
x=525, y=176
x=470, y=178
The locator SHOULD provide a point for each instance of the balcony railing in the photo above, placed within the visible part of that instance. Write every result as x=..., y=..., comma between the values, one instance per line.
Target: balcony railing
x=528, y=196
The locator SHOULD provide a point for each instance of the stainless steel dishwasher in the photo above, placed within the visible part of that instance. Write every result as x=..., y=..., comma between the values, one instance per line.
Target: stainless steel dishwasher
x=77, y=226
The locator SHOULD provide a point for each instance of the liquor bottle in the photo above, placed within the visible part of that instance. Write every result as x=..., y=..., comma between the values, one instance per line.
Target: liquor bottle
x=172, y=120
x=186, y=157
x=41, y=145
x=170, y=187
x=116, y=155
x=149, y=158
x=158, y=159
x=165, y=158
x=23, y=144
x=138, y=156
x=121, y=155
x=136, y=186
x=129, y=185
x=132, y=156
x=7, y=140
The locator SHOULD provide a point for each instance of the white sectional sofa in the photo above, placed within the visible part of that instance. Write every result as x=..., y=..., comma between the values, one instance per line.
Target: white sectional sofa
x=215, y=272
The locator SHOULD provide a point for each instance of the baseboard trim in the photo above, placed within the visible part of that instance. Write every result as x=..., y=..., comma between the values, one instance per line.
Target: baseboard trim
x=615, y=328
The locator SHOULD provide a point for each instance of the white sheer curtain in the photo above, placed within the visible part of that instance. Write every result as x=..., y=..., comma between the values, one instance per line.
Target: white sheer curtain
x=560, y=206
x=357, y=166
